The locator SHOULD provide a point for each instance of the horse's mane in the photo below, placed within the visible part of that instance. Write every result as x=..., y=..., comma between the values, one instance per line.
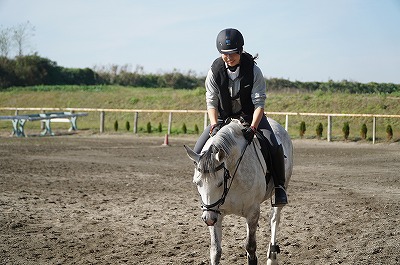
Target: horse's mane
x=224, y=140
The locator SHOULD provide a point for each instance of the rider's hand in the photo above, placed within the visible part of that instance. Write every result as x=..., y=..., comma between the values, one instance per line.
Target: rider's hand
x=214, y=129
x=248, y=133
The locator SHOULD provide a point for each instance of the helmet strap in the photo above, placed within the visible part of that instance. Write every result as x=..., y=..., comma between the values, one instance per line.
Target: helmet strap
x=233, y=68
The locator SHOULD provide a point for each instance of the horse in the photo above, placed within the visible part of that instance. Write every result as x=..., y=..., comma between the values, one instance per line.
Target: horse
x=230, y=175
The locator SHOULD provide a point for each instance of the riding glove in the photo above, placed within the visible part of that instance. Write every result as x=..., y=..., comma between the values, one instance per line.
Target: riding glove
x=248, y=133
x=214, y=129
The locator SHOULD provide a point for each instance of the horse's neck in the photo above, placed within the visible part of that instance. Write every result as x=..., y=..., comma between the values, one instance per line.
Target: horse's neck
x=234, y=157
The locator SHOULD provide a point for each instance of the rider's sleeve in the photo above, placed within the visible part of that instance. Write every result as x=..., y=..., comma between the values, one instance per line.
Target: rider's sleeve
x=258, y=93
x=211, y=91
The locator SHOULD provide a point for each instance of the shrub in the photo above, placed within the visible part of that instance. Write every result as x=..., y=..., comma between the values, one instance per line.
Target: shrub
x=148, y=127
x=389, y=132
x=133, y=100
x=196, y=129
x=346, y=130
x=302, y=129
x=184, y=129
x=159, y=127
x=363, y=132
x=319, y=130
x=127, y=126
x=116, y=125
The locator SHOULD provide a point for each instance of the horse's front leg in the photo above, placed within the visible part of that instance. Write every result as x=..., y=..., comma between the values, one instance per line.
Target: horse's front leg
x=251, y=243
x=273, y=249
x=216, y=239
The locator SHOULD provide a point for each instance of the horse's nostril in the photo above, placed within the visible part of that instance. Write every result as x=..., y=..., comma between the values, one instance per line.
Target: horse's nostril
x=210, y=222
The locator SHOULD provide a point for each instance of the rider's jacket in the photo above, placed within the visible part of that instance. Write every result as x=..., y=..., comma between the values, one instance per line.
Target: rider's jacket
x=218, y=81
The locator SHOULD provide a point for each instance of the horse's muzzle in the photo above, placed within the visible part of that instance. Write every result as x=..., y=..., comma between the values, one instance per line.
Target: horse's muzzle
x=210, y=217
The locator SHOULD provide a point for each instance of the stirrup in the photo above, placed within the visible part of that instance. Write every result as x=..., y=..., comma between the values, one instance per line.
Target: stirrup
x=280, y=197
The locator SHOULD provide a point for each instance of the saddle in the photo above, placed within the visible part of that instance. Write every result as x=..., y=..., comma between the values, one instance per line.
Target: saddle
x=244, y=120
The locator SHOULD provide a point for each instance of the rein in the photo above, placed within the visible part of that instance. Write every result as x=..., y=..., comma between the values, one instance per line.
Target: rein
x=227, y=176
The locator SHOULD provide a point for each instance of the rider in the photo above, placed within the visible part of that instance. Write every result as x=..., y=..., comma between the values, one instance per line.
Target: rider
x=235, y=87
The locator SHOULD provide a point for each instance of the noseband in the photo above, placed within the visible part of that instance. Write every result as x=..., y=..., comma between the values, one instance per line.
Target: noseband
x=227, y=176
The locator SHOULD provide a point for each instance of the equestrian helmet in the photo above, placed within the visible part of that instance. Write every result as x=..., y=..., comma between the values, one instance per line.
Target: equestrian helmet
x=230, y=41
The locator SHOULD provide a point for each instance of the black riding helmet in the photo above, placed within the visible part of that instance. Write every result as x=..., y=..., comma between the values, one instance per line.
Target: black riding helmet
x=230, y=41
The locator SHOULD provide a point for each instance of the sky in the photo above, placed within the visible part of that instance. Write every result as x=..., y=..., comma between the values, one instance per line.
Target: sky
x=299, y=40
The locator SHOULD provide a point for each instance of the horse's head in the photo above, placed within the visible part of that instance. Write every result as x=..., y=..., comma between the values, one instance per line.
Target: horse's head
x=210, y=178
x=211, y=174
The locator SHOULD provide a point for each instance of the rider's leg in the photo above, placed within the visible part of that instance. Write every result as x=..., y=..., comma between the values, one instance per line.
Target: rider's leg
x=278, y=163
x=279, y=180
x=202, y=140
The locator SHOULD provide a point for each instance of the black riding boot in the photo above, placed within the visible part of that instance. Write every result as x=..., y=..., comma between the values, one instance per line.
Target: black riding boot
x=278, y=163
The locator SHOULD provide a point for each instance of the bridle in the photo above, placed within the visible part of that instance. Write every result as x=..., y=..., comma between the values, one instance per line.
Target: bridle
x=227, y=176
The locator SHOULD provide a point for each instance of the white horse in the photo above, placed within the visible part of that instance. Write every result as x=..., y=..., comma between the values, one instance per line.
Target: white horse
x=230, y=177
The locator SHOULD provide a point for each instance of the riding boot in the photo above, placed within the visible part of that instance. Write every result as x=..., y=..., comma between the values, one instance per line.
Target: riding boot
x=278, y=163
x=252, y=261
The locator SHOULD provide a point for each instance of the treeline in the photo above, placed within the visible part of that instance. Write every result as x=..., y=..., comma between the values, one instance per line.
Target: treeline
x=344, y=86
x=33, y=70
x=123, y=76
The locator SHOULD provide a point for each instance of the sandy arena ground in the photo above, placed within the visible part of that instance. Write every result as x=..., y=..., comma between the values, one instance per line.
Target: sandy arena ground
x=129, y=200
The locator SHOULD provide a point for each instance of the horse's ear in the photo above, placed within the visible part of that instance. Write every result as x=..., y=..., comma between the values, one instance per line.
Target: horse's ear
x=192, y=154
x=220, y=155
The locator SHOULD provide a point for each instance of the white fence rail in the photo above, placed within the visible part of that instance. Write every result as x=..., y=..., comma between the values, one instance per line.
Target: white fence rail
x=102, y=112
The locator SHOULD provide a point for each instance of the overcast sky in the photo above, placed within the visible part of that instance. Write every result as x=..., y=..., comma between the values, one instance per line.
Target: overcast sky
x=304, y=40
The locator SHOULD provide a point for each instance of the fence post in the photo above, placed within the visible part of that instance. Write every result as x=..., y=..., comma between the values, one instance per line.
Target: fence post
x=169, y=123
x=373, y=129
x=205, y=120
x=329, y=133
x=135, y=122
x=287, y=122
x=102, y=114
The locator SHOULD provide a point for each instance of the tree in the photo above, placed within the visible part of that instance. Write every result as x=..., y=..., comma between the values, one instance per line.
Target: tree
x=5, y=42
x=302, y=129
x=319, y=130
x=364, y=131
x=21, y=35
x=346, y=130
x=7, y=73
x=389, y=132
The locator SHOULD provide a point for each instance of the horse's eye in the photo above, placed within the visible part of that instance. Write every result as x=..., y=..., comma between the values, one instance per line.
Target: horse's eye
x=220, y=184
x=199, y=183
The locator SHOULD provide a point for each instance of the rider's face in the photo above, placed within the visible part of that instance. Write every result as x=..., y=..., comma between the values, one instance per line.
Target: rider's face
x=232, y=59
